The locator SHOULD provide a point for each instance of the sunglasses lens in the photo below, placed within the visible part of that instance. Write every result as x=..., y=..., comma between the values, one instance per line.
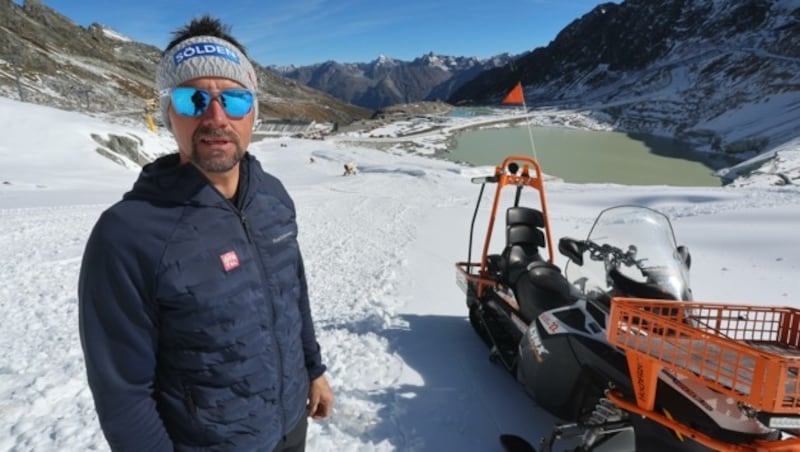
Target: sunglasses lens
x=189, y=101
x=237, y=102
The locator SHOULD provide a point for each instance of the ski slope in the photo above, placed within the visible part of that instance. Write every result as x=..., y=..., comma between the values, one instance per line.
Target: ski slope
x=380, y=247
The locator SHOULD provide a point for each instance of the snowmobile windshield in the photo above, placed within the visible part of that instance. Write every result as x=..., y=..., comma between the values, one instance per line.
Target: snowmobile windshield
x=631, y=251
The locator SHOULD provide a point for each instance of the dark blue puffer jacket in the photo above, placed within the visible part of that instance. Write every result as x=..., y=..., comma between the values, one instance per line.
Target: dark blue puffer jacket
x=194, y=314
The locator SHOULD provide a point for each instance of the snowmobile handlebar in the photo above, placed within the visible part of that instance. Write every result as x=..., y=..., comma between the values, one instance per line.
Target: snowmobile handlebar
x=484, y=180
x=511, y=168
x=613, y=256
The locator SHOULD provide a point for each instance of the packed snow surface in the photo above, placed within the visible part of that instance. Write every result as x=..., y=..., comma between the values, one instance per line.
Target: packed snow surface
x=408, y=371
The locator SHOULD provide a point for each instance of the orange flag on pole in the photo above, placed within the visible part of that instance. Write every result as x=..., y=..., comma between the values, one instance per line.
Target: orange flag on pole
x=515, y=96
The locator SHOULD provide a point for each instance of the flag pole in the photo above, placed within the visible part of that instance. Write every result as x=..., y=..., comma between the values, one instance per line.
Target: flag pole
x=530, y=131
x=517, y=96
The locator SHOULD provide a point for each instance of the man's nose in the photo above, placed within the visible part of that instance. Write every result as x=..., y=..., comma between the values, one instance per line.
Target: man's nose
x=215, y=115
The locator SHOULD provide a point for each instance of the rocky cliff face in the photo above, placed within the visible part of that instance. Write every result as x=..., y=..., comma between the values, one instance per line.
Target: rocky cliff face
x=58, y=63
x=46, y=58
x=704, y=71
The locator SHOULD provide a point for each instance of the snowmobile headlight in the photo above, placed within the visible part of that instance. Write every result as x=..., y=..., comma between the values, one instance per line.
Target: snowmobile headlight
x=784, y=422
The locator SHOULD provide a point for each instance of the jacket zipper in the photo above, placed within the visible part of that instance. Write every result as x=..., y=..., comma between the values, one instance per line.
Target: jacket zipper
x=248, y=232
x=188, y=399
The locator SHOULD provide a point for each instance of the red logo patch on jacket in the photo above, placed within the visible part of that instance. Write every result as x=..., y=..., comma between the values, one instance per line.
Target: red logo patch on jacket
x=229, y=260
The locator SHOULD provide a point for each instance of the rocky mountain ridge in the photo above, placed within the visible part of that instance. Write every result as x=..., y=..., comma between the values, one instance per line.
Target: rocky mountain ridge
x=714, y=73
x=388, y=81
x=47, y=59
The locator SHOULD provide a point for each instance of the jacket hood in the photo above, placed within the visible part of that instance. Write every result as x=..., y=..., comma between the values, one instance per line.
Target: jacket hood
x=167, y=180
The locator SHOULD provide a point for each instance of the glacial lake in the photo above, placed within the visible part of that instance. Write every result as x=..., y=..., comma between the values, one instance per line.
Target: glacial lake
x=582, y=156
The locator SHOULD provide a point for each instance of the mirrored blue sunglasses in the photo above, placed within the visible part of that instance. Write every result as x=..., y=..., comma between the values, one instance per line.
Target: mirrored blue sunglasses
x=190, y=101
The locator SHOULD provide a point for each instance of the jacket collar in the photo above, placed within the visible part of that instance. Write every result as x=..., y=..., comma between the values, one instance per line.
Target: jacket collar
x=167, y=181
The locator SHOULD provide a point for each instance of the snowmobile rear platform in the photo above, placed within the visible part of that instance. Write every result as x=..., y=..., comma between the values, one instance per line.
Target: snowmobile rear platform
x=748, y=353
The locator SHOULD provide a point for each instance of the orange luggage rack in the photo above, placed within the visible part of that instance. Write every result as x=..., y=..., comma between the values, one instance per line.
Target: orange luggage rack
x=749, y=353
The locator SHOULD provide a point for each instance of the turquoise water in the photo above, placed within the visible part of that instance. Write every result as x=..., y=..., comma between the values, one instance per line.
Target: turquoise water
x=582, y=156
x=469, y=112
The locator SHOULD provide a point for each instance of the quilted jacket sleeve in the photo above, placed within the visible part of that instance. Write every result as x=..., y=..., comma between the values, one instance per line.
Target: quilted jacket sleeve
x=118, y=335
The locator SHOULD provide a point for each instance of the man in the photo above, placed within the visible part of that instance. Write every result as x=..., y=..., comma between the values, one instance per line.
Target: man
x=194, y=312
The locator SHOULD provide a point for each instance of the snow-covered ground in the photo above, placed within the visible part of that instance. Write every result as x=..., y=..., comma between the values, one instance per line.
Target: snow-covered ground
x=380, y=248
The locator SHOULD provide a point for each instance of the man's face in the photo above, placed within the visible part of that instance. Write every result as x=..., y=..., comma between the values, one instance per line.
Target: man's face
x=214, y=141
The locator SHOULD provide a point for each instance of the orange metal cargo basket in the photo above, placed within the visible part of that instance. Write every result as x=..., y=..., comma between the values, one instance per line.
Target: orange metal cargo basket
x=749, y=353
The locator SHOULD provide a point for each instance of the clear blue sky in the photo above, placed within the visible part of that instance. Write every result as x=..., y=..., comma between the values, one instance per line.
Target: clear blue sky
x=303, y=32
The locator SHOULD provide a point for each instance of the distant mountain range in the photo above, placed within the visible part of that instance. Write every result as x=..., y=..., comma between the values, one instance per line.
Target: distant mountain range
x=387, y=81
x=702, y=71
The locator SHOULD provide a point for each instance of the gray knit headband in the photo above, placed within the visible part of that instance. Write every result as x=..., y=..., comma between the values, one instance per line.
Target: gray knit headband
x=202, y=56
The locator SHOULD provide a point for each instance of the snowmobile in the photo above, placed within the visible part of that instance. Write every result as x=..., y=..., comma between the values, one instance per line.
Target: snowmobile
x=615, y=343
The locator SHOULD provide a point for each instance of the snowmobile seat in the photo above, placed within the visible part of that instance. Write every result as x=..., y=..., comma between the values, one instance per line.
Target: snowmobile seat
x=524, y=215
x=524, y=237
x=524, y=227
x=547, y=276
x=542, y=288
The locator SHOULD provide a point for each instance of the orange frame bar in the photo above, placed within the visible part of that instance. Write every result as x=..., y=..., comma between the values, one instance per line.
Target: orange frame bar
x=787, y=445
x=523, y=178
